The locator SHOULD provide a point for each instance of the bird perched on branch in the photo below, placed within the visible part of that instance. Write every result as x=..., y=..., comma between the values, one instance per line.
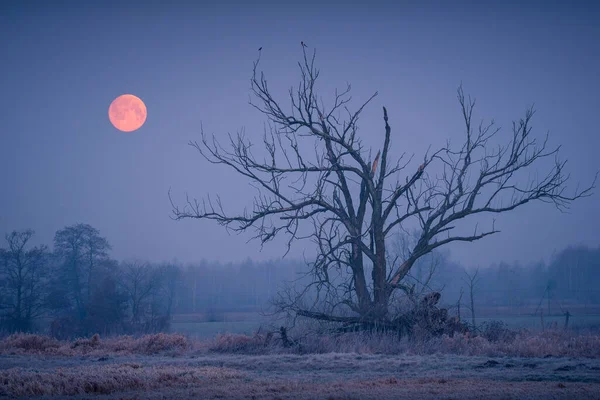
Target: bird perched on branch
x=421, y=168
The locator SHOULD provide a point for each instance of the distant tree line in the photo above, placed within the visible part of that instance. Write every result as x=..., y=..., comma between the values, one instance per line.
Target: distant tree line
x=569, y=277
x=75, y=288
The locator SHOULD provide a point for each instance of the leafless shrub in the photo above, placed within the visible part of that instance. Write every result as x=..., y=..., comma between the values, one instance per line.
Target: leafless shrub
x=161, y=342
x=498, y=342
x=495, y=331
x=236, y=343
x=506, y=343
x=557, y=343
x=147, y=344
x=28, y=343
x=87, y=344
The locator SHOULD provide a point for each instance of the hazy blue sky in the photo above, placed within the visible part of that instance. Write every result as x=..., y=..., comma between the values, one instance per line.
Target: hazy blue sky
x=62, y=162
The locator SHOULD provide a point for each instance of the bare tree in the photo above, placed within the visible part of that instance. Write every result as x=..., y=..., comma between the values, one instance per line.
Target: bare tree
x=314, y=170
x=472, y=280
x=458, y=302
x=170, y=283
x=139, y=281
x=22, y=274
x=81, y=250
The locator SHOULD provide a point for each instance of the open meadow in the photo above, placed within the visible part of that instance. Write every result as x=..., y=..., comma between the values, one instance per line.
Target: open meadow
x=549, y=365
x=199, y=326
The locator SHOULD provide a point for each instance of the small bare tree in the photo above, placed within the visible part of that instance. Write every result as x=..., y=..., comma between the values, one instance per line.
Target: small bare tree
x=139, y=281
x=472, y=280
x=169, y=281
x=314, y=169
x=458, y=303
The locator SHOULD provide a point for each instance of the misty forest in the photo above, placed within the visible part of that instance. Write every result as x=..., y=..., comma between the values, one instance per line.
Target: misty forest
x=376, y=306
x=76, y=290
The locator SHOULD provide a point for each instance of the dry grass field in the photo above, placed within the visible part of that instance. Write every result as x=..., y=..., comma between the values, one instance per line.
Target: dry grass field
x=549, y=365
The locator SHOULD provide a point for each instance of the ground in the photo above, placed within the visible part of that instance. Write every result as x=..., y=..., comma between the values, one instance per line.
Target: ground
x=292, y=376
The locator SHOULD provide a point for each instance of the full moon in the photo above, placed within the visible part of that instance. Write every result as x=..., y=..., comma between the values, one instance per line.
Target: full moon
x=127, y=113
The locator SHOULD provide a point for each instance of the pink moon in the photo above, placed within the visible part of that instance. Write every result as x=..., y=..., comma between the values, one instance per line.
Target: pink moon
x=127, y=113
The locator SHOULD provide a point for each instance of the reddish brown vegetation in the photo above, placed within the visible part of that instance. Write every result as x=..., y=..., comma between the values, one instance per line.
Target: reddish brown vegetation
x=204, y=374
x=523, y=344
x=147, y=344
x=106, y=379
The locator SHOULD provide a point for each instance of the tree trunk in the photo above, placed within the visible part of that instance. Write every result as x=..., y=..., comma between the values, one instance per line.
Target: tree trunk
x=472, y=306
x=379, y=275
x=360, y=283
x=459, y=301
